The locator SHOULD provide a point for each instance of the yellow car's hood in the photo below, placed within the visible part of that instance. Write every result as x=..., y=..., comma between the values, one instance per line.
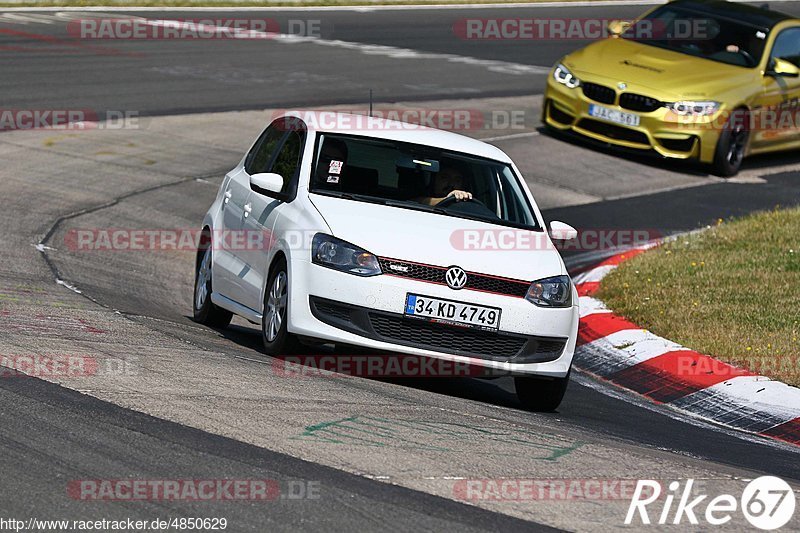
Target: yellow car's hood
x=664, y=74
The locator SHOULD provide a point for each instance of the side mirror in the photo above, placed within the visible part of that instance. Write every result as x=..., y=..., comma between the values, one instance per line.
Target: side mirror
x=268, y=181
x=618, y=27
x=562, y=232
x=781, y=67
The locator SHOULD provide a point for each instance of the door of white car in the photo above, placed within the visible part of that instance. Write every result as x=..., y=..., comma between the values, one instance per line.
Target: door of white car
x=229, y=264
x=226, y=262
x=262, y=210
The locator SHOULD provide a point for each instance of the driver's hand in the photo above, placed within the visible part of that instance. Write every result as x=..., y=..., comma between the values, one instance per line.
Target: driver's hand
x=461, y=195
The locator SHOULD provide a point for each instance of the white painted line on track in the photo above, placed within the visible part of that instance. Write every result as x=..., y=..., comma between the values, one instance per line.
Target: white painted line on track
x=394, y=52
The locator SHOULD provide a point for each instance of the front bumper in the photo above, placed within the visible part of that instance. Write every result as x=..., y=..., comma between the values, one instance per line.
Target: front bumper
x=368, y=312
x=659, y=130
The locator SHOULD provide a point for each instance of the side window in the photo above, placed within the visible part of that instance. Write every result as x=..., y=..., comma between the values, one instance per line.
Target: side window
x=288, y=160
x=258, y=159
x=787, y=46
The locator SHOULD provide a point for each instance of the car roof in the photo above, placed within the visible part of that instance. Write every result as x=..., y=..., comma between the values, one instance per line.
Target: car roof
x=381, y=128
x=762, y=17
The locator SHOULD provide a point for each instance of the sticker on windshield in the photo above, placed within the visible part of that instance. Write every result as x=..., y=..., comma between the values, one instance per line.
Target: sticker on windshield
x=333, y=179
x=335, y=167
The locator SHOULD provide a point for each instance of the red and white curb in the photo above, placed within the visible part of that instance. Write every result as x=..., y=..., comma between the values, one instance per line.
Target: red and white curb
x=616, y=350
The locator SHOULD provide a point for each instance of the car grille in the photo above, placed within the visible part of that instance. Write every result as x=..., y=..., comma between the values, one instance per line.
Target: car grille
x=599, y=93
x=444, y=338
x=398, y=329
x=436, y=274
x=638, y=102
x=613, y=132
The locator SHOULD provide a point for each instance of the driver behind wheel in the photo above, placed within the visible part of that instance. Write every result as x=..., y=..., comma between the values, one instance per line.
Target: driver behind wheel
x=448, y=182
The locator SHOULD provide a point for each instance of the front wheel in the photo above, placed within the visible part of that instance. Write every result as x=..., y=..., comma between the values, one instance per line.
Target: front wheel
x=205, y=311
x=539, y=393
x=277, y=339
x=731, y=145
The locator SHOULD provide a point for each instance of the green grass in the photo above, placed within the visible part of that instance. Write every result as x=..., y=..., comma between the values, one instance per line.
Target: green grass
x=732, y=292
x=247, y=3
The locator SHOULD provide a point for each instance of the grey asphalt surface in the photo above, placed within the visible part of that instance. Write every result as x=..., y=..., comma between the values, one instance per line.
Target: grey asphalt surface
x=217, y=411
x=81, y=431
x=174, y=76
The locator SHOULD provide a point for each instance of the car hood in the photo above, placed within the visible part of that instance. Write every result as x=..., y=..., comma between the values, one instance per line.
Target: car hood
x=664, y=74
x=434, y=239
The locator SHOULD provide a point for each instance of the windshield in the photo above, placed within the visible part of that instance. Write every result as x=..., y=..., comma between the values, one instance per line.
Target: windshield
x=419, y=177
x=700, y=34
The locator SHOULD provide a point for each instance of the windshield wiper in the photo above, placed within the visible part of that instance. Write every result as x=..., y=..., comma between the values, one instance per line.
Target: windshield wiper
x=352, y=196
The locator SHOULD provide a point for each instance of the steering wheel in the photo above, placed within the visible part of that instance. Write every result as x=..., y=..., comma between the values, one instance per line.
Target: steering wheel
x=450, y=200
x=749, y=58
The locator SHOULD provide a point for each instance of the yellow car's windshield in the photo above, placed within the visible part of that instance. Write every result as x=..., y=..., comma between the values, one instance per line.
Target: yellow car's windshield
x=701, y=34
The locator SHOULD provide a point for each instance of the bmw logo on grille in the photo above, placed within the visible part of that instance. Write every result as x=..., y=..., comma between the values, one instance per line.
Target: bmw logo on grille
x=456, y=278
x=622, y=86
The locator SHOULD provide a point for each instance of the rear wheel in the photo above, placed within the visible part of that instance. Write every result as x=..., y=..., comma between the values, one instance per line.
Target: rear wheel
x=277, y=339
x=205, y=312
x=732, y=144
x=540, y=393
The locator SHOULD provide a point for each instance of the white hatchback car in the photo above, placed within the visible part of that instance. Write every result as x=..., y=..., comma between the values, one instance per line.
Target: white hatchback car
x=391, y=237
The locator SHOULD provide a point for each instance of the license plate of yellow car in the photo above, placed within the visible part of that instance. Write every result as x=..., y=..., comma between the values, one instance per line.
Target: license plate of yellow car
x=612, y=115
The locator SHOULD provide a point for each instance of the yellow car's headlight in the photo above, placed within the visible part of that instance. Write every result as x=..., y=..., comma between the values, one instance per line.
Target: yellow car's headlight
x=563, y=76
x=693, y=108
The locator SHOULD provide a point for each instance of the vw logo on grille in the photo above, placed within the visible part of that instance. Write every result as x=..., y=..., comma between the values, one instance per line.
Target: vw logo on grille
x=456, y=278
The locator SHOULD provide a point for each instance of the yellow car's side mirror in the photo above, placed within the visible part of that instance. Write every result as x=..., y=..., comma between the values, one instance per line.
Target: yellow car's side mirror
x=618, y=27
x=781, y=67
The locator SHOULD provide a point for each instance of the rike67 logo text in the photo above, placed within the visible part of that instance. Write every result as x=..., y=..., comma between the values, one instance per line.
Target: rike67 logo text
x=767, y=503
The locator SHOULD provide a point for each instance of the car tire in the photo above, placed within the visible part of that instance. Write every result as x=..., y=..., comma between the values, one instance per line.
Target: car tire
x=732, y=144
x=539, y=393
x=274, y=334
x=205, y=311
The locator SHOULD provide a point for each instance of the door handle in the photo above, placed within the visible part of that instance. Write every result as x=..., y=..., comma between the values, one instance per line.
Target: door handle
x=248, y=208
x=228, y=195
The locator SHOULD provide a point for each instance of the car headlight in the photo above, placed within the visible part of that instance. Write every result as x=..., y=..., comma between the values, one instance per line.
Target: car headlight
x=693, y=108
x=563, y=76
x=551, y=292
x=331, y=252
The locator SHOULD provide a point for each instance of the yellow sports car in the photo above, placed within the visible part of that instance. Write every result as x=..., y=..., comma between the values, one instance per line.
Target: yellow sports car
x=691, y=79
